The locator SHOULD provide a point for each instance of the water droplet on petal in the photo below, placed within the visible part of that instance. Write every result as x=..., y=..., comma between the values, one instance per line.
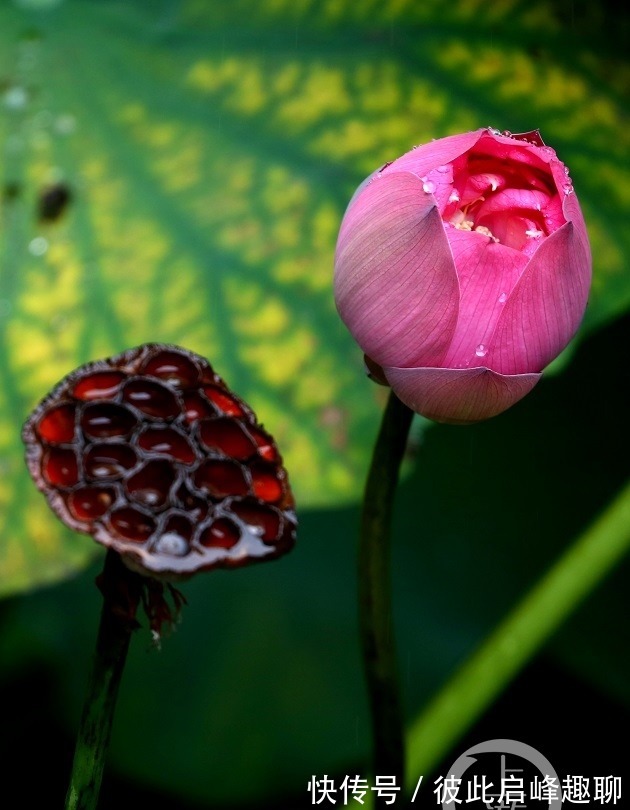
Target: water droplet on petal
x=481, y=350
x=533, y=233
x=503, y=298
x=428, y=187
x=454, y=196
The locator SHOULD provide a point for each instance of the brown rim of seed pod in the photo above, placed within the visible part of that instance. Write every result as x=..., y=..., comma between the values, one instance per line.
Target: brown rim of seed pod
x=153, y=455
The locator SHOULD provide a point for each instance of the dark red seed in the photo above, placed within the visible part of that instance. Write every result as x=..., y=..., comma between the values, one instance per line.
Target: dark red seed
x=167, y=442
x=222, y=533
x=151, y=398
x=100, y=385
x=132, y=524
x=102, y=420
x=265, y=520
x=226, y=436
x=59, y=467
x=193, y=505
x=57, y=424
x=152, y=483
x=221, y=478
x=172, y=367
x=224, y=401
x=89, y=503
x=266, y=445
x=109, y=461
x=178, y=524
x=196, y=407
x=265, y=483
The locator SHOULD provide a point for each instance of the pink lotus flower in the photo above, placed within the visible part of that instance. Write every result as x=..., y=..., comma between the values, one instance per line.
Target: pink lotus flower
x=462, y=269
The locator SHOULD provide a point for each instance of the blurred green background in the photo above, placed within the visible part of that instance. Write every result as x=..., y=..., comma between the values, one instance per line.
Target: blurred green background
x=209, y=150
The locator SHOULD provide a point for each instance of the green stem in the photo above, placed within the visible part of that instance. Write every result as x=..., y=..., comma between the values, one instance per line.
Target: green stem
x=121, y=594
x=375, y=603
x=518, y=637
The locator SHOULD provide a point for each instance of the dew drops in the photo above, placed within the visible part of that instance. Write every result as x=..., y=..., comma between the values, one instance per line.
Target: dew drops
x=65, y=124
x=481, y=350
x=428, y=187
x=454, y=196
x=533, y=233
x=16, y=98
x=38, y=246
x=503, y=298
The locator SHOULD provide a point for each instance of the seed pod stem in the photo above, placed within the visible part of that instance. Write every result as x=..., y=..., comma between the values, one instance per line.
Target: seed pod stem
x=375, y=602
x=121, y=589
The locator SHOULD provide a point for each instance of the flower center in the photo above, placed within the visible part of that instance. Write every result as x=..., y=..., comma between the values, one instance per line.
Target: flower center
x=503, y=192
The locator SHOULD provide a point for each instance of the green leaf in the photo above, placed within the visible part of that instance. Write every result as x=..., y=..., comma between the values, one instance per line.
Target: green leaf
x=261, y=687
x=210, y=150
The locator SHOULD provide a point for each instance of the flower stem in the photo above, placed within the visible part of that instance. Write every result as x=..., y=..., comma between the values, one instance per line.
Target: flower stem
x=375, y=604
x=121, y=590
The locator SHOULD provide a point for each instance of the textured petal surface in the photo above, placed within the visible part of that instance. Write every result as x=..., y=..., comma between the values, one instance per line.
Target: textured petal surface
x=422, y=159
x=547, y=305
x=458, y=396
x=395, y=283
x=487, y=274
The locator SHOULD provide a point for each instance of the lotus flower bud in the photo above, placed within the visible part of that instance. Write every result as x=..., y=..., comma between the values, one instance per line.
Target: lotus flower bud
x=462, y=269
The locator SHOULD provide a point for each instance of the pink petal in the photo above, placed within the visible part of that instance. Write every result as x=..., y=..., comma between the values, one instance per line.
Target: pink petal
x=547, y=305
x=458, y=396
x=395, y=283
x=423, y=158
x=487, y=274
